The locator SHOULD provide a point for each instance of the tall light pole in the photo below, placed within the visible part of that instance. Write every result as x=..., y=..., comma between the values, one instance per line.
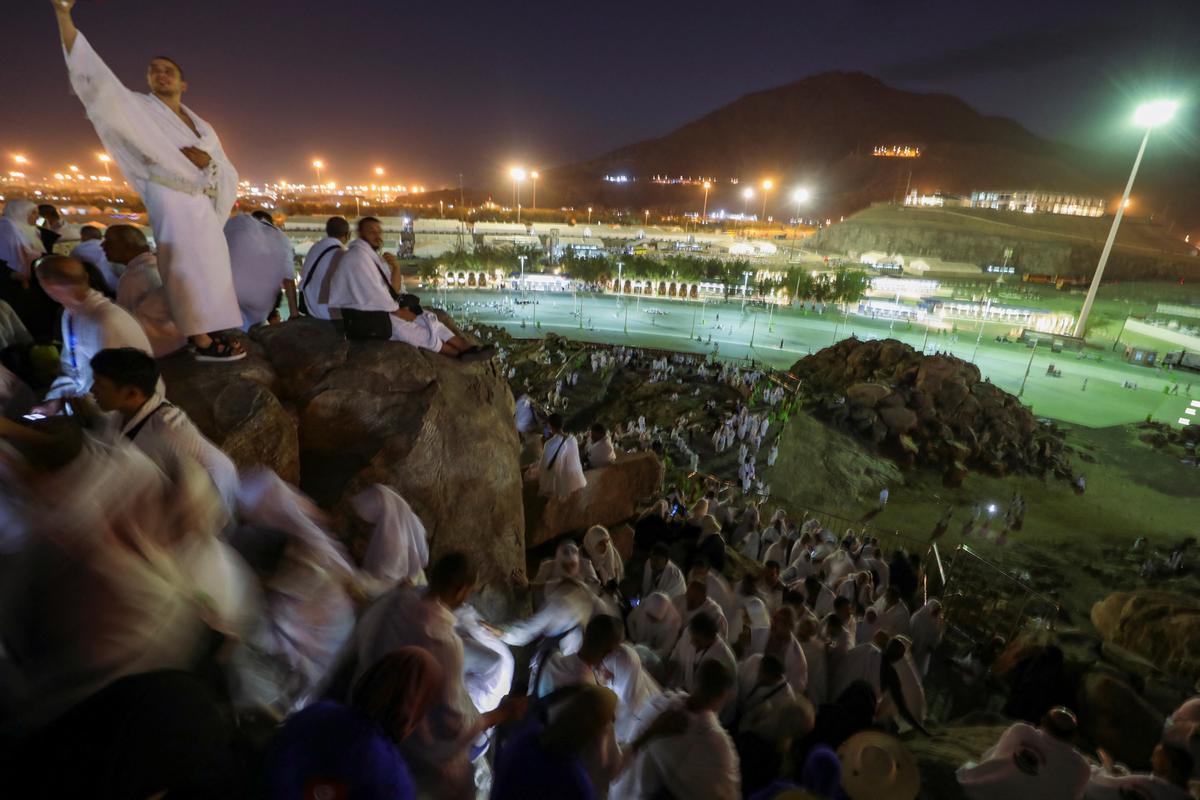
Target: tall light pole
x=767, y=186
x=517, y=175
x=534, y=176
x=799, y=197
x=746, y=195
x=1149, y=116
x=745, y=288
x=704, y=213
x=589, y=215
x=318, y=165
x=105, y=159
x=381, y=196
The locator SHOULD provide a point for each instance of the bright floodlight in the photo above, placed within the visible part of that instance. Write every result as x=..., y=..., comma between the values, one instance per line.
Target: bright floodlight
x=104, y=157
x=534, y=175
x=319, y=164
x=707, y=185
x=379, y=170
x=20, y=159
x=748, y=193
x=801, y=195
x=768, y=184
x=1153, y=114
x=517, y=174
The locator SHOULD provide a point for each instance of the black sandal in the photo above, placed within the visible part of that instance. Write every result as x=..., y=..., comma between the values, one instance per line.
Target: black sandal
x=219, y=349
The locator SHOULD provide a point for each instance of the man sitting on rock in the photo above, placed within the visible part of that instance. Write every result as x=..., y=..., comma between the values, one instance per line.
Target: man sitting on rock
x=600, y=452
x=360, y=290
x=126, y=381
x=140, y=288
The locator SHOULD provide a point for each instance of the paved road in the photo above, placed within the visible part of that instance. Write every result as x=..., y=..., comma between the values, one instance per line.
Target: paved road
x=738, y=333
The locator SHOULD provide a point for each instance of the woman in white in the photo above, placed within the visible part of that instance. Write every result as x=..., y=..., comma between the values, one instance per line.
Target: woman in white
x=604, y=558
x=20, y=244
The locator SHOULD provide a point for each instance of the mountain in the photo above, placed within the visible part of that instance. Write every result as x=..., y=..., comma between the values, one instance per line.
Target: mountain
x=820, y=132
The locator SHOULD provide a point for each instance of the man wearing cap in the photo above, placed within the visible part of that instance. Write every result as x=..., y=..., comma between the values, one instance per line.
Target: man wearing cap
x=1030, y=762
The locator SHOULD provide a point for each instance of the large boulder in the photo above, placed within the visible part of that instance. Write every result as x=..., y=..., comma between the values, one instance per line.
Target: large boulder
x=233, y=405
x=1161, y=627
x=438, y=431
x=612, y=495
x=924, y=402
x=1113, y=716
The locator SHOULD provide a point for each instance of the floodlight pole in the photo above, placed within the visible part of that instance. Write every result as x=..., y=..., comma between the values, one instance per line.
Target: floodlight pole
x=1108, y=245
x=1028, y=367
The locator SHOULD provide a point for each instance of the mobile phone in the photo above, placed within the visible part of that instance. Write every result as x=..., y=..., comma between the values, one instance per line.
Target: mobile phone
x=34, y=417
x=634, y=602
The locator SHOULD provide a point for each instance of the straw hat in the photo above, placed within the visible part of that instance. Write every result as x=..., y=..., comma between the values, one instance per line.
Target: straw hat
x=876, y=766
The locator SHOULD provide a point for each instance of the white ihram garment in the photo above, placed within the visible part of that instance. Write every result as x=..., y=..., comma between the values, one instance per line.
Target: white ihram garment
x=98, y=324
x=140, y=292
x=560, y=474
x=187, y=206
x=262, y=259
x=319, y=257
x=398, y=550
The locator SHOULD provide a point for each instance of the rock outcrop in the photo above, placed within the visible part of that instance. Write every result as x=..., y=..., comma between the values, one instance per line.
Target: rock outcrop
x=337, y=416
x=612, y=495
x=929, y=410
x=1161, y=627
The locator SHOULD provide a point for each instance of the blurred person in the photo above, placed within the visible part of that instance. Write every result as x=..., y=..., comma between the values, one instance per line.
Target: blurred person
x=637, y=692
x=127, y=381
x=263, y=263
x=927, y=626
x=702, y=761
x=174, y=161
x=90, y=323
x=140, y=289
x=894, y=616
x=654, y=627
x=1030, y=762
x=601, y=637
x=353, y=750
x=20, y=247
x=438, y=751
x=701, y=642
x=313, y=297
x=1171, y=769
x=90, y=250
x=695, y=601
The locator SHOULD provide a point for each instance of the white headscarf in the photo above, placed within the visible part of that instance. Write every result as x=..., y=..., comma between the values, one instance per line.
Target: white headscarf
x=605, y=558
x=655, y=623
x=265, y=500
x=398, y=550
x=20, y=243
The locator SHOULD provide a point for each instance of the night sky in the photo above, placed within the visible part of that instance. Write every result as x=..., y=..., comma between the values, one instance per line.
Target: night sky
x=430, y=90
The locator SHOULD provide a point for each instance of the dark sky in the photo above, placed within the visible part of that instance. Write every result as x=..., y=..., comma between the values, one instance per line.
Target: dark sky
x=433, y=89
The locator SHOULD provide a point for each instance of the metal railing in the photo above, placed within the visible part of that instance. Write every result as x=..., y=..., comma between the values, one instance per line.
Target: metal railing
x=981, y=600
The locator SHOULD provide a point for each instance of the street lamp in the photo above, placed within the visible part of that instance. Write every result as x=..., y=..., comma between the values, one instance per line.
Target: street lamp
x=746, y=195
x=767, y=186
x=518, y=175
x=799, y=197
x=589, y=215
x=1149, y=116
x=534, y=176
x=647, y=223
x=704, y=213
x=318, y=165
x=20, y=160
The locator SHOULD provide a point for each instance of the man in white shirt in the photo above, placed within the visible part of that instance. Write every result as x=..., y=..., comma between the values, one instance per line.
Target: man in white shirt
x=600, y=452
x=313, y=283
x=263, y=263
x=90, y=323
x=174, y=161
x=695, y=601
x=560, y=474
x=660, y=573
x=601, y=637
x=360, y=289
x=91, y=250
x=702, y=761
x=437, y=752
x=140, y=290
x=701, y=642
x=126, y=381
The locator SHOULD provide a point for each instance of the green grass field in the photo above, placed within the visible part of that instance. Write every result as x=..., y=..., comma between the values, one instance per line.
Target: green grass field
x=754, y=333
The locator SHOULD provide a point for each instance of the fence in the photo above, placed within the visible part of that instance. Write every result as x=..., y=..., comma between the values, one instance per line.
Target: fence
x=981, y=600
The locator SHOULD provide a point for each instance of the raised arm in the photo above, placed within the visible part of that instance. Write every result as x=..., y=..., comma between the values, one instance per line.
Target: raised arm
x=66, y=26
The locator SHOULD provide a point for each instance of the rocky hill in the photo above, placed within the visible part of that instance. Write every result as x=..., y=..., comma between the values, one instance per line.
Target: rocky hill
x=932, y=411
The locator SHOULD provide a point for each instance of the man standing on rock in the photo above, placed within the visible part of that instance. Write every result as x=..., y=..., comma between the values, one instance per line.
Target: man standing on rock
x=174, y=161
